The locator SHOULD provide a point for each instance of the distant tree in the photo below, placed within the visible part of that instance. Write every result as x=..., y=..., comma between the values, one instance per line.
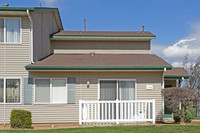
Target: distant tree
x=176, y=96
x=193, y=83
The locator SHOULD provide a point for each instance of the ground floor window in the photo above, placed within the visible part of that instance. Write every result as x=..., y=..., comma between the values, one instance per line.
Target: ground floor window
x=55, y=90
x=9, y=90
x=122, y=89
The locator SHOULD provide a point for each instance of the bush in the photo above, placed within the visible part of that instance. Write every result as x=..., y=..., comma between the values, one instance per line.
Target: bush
x=20, y=119
x=191, y=113
x=177, y=119
x=188, y=117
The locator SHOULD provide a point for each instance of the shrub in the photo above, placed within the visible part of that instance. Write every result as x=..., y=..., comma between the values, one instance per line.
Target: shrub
x=20, y=119
x=177, y=118
x=191, y=112
x=188, y=117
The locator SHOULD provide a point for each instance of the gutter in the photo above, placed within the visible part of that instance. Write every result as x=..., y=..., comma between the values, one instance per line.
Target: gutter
x=163, y=87
x=31, y=49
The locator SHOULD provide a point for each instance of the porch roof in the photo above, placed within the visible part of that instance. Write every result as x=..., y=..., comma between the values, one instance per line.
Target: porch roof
x=176, y=73
x=100, y=62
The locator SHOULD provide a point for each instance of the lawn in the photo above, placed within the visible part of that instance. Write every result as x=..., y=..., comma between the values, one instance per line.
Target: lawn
x=134, y=129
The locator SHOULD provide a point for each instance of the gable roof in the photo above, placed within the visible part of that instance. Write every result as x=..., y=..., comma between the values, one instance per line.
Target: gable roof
x=176, y=72
x=37, y=9
x=100, y=62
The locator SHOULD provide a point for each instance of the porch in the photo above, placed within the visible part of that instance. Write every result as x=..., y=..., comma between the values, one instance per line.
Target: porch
x=118, y=111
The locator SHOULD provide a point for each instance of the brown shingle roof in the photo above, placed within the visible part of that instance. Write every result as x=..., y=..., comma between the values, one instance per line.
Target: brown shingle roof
x=106, y=33
x=176, y=71
x=102, y=60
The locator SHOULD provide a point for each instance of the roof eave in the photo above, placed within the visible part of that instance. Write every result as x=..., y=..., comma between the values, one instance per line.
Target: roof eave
x=97, y=67
x=177, y=76
x=100, y=37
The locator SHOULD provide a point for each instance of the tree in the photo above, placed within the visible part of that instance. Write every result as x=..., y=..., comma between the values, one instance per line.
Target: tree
x=175, y=96
x=193, y=69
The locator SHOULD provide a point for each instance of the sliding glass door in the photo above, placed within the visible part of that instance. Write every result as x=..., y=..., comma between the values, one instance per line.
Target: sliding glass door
x=117, y=89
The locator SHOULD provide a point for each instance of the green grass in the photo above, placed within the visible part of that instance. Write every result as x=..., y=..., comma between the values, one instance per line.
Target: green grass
x=134, y=129
x=196, y=118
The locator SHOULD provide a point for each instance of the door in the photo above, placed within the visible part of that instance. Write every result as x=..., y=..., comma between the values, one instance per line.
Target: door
x=110, y=90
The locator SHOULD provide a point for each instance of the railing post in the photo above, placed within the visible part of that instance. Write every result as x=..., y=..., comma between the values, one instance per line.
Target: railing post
x=80, y=112
x=154, y=112
x=117, y=111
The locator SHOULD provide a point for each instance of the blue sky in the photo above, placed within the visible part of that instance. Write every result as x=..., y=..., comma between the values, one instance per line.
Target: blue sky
x=176, y=23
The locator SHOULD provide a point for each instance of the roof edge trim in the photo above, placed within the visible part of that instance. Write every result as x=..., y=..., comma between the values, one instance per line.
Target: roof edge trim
x=97, y=67
x=176, y=76
x=98, y=37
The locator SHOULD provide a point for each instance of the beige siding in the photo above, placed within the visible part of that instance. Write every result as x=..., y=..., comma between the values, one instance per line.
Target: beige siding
x=14, y=57
x=43, y=25
x=61, y=113
x=142, y=47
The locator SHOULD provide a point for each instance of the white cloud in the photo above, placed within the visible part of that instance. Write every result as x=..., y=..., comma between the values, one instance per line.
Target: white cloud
x=190, y=45
x=177, y=64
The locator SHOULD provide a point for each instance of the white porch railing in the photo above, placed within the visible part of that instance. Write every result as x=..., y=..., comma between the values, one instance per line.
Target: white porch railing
x=116, y=111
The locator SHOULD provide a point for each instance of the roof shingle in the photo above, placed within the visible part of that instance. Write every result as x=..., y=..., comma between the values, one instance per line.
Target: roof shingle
x=106, y=33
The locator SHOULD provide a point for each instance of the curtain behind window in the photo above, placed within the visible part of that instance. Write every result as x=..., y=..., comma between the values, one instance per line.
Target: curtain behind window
x=12, y=91
x=127, y=90
x=1, y=30
x=42, y=90
x=59, y=91
x=1, y=90
x=108, y=90
x=12, y=30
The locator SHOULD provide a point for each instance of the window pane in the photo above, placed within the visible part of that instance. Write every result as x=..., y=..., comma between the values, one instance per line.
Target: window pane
x=108, y=90
x=12, y=91
x=12, y=30
x=1, y=30
x=59, y=91
x=71, y=90
x=1, y=91
x=42, y=90
x=127, y=90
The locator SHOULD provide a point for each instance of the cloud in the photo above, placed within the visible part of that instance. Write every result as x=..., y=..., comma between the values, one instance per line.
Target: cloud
x=177, y=64
x=189, y=45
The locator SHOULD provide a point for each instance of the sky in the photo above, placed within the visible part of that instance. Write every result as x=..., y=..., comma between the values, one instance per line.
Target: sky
x=176, y=23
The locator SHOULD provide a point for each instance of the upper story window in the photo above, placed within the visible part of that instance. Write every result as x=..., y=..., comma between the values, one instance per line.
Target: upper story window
x=10, y=30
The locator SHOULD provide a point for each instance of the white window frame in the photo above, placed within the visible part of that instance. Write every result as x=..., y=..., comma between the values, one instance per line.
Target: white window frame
x=20, y=80
x=51, y=90
x=20, y=42
x=115, y=79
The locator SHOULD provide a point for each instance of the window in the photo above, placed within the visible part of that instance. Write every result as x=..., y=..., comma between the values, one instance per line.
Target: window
x=10, y=30
x=55, y=90
x=42, y=90
x=117, y=89
x=11, y=90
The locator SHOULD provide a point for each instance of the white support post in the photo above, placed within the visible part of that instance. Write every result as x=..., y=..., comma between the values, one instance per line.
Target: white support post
x=154, y=112
x=117, y=111
x=80, y=112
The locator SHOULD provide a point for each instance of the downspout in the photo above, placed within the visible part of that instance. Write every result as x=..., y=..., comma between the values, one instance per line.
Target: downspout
x=163, y=86
x=31, y=48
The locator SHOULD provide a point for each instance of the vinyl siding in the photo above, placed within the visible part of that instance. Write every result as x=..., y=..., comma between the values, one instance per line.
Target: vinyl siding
x=43, y=25
x=63, y=113
x=69, y=47
x=13, y=57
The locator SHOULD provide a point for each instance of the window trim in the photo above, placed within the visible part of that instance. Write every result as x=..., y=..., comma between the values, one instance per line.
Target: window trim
x=20, y=80
x=34, y=86
x=20, y=42
x=117, y=79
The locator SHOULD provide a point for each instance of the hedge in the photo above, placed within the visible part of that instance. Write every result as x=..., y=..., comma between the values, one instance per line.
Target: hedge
x=20, y=119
